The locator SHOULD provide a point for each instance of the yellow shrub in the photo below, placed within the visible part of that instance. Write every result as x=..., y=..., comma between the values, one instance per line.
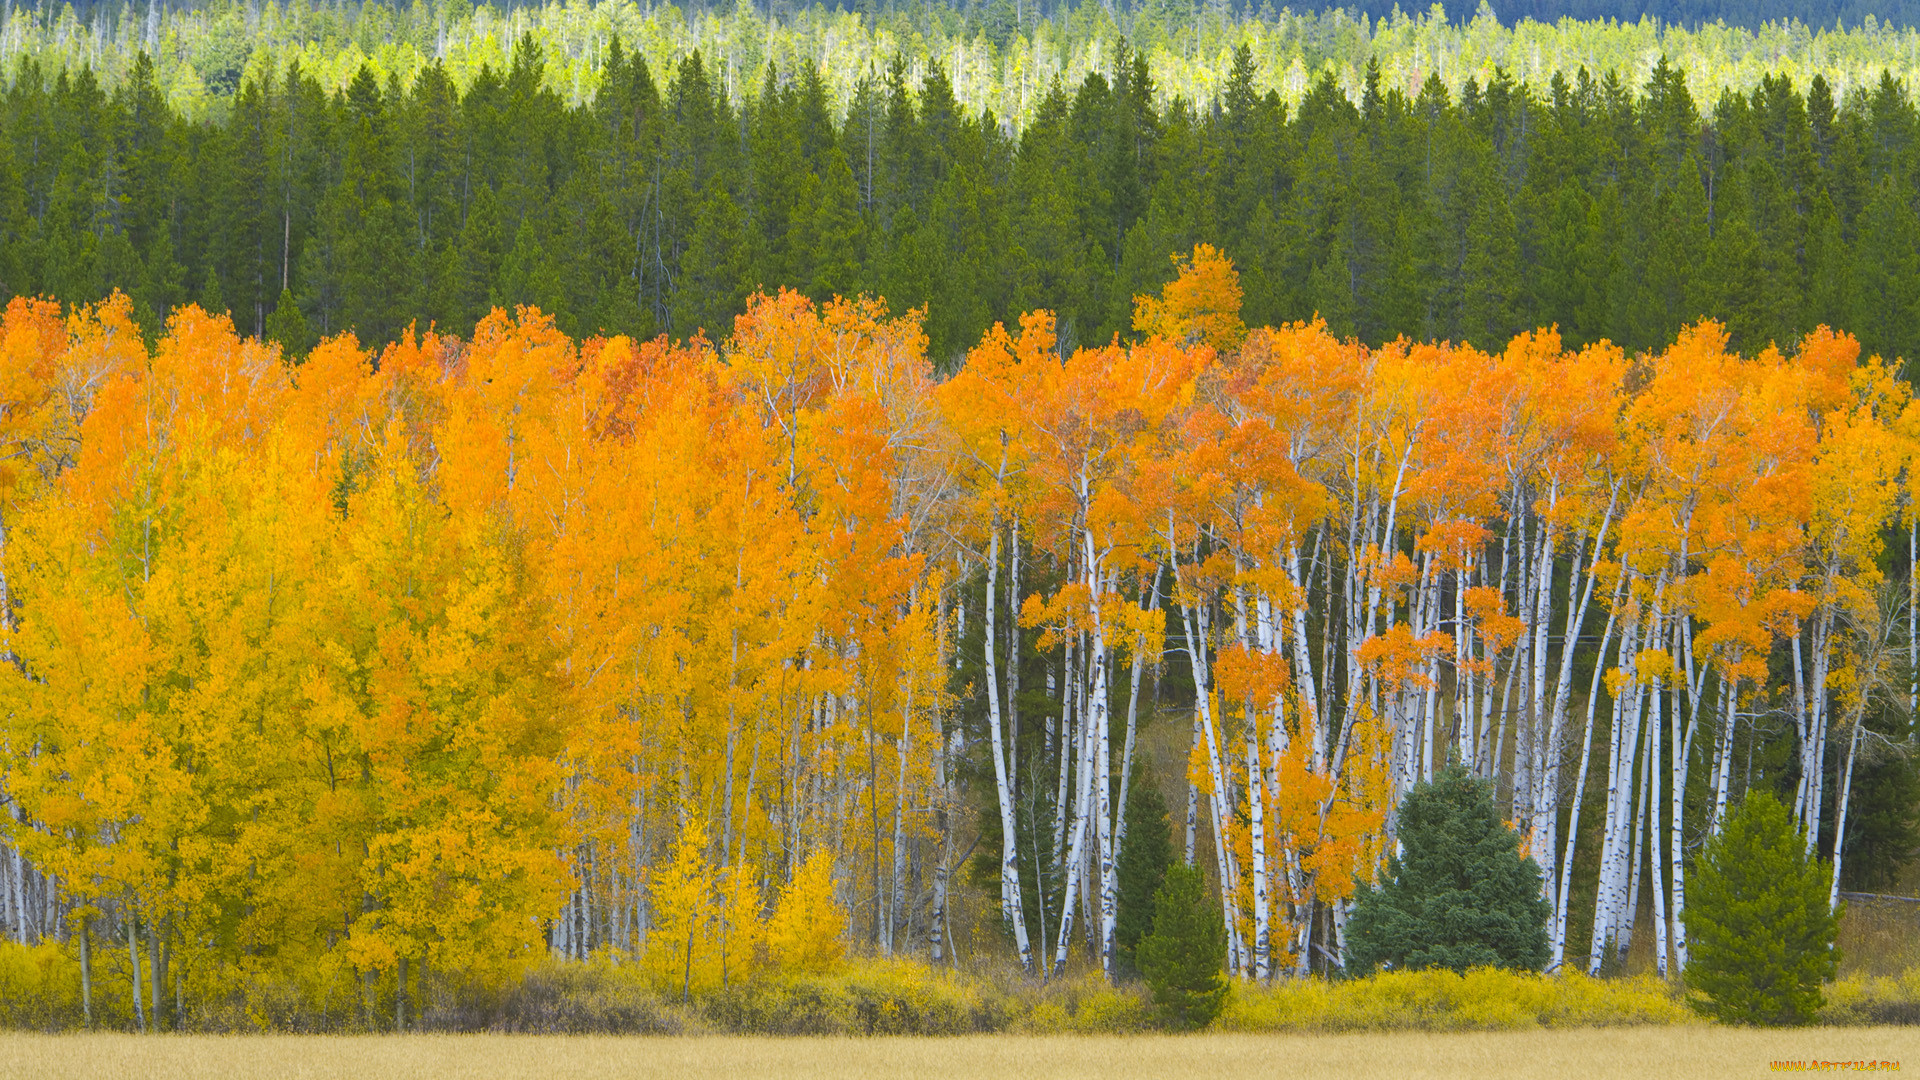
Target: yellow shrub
x=39, y=986
x=1112, y=1012
x=1047, y=1018
x=1083, y=1004
x=804, y=934
x=874, y=997
x=1873, y=999
x=1482, y=1000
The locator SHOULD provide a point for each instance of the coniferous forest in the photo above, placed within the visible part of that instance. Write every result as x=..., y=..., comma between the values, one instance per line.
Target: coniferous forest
x=1611, y=205
x=494, y=500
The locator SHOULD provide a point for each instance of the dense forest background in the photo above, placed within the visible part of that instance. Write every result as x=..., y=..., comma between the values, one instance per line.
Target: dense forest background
x=1613, y=209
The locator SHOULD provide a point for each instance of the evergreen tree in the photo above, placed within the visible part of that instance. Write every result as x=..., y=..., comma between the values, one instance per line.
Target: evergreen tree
x=211, y=300
x=287, y=327
x=1144, y=859
x=1459, y=896
x=1759, y=931
x=1181, y=959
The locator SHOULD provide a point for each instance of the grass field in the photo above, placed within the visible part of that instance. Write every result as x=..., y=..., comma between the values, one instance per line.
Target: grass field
x=1691, y=1052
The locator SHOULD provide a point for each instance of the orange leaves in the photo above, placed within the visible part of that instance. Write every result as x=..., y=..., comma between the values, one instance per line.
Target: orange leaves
x=1243, y=674
x=1399, y=658
x=1488, y=610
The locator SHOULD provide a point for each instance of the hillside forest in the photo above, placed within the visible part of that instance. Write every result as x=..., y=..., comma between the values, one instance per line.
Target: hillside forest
x=446, y=526
x=1611, y=211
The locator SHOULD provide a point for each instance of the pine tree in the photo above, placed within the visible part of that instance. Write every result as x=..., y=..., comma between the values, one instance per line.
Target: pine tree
x=1758, y=925
x=1144, y=859
x=1181, y=958
x=287, y=327
x=1460, y=895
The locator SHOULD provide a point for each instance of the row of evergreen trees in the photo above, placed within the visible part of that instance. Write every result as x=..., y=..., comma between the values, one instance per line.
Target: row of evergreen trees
x=1615, y=212
x=1460, y=894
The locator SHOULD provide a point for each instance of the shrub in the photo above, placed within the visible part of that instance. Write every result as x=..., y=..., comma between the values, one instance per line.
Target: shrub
x=1084, y=1005
x=1460, y=896
x=39, y=987
x=1873, y=1001
x=880, y=997
x=592, y=998
x=1759, y=931
x=1182, y=957
x=1486, y=999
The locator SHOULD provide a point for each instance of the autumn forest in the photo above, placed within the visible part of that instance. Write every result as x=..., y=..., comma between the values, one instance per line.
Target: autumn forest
x=725, y=531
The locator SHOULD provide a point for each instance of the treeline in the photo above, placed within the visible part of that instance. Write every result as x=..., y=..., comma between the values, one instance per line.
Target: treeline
x=1001, y=56
x=1744, y=13
x=1612, y=211
x=721, y=656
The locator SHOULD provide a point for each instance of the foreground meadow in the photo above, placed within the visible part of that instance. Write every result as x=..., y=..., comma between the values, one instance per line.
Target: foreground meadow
x=1692, y=1052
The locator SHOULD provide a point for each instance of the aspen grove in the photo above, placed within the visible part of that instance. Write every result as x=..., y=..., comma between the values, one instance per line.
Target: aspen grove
x=471, y=652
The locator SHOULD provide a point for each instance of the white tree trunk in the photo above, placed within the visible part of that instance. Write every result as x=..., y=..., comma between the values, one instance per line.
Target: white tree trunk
x=1256, y=800
x=1682, y=751
x=1610, y=896
x=1009, y=836
x=1840, y=812
x=1654, y=832
x=1579, y=796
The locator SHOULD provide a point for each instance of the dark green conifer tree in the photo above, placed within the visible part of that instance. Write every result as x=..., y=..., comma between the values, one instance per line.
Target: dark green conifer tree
x=1144, y=858
x=1182, y=958
x=1759, y=931
x=1459, y=895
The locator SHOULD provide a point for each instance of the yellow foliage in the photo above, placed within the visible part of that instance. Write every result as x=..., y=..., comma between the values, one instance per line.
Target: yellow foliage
x=1088, y=1006
x=39, y=985
x=1480, y=1000
x=681, y=951
x=804, y=935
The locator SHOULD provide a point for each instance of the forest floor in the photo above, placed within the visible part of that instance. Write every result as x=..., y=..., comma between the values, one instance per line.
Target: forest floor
x=1693, y=1052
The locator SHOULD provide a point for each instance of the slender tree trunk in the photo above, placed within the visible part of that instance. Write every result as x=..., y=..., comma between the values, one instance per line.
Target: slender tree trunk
x=1654, y=831
x=1822, y=663
x=133, y=955
x=936, y=929
x=1101, y=775
x=1009, y=835
x=1630, y=911
x=1133, y=712
x=1723, y=774
x=1547, y=803
x=86, y=969
x=1609, y=896
x=1256, y=820
x=1076, y=850
x=1840, y=813
x=1193, y=792
x=1579, y=796
x=156, y=974
x=1682, y=752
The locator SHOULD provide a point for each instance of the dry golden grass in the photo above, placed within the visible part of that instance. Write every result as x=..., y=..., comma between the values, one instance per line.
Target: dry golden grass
x=1690, y=1052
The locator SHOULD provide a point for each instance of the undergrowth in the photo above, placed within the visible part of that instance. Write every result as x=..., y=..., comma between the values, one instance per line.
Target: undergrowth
x=1439, y=1000
x=40, y=991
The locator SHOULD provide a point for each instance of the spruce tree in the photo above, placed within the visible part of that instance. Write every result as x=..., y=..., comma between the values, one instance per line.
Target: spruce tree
x=1182, y=957
x=1759, y=931
x=1144, y=859
x=1459, y=897
x=287, y=326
